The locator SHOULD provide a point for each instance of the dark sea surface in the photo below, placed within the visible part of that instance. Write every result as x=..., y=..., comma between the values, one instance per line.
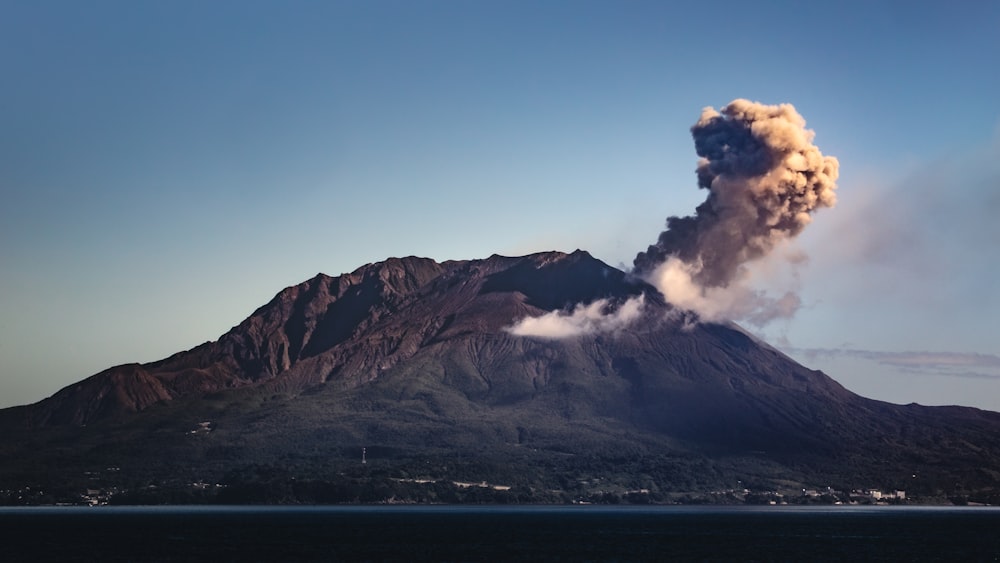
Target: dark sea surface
x=464, y=533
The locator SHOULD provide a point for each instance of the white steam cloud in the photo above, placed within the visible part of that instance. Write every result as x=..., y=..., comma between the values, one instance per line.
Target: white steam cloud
x=592, y=318
x=677, y=281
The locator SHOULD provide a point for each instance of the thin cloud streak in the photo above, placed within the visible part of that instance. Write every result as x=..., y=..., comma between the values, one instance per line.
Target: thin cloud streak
x=943, y=364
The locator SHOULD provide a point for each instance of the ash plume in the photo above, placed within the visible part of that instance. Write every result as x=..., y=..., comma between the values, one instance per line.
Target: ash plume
x=765, y=179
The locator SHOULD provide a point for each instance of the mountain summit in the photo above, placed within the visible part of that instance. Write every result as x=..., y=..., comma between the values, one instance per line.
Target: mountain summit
x=411, y=365
x=350, y=329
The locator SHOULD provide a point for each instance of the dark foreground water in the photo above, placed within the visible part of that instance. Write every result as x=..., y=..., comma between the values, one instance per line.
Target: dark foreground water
x=460, y=533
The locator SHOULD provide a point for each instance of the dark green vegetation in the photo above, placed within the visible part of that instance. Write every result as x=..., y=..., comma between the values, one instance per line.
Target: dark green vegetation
x=409, y=360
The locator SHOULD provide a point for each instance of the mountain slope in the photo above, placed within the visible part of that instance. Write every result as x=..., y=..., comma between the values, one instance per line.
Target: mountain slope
x=412, y=359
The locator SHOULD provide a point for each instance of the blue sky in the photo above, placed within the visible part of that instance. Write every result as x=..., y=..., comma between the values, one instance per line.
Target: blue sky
x=167, y=167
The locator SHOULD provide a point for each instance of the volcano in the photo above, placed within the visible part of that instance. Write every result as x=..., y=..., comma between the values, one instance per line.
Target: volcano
x=403, y=381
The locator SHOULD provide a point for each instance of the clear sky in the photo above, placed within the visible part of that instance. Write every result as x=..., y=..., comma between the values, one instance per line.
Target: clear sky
x=167, y=167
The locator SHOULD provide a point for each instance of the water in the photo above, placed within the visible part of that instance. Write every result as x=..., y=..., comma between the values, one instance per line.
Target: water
x=463, y=533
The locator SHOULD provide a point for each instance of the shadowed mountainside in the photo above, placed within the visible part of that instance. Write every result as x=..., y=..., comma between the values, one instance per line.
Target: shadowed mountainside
x=411, y=359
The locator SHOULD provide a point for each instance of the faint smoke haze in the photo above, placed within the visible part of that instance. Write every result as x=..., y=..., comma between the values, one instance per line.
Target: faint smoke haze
x=765, y=179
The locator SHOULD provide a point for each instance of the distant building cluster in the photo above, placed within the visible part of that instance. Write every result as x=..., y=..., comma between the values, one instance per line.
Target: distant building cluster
x=877, y=495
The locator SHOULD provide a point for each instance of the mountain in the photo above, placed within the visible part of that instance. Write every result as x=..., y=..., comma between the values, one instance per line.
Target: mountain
x=409, y=364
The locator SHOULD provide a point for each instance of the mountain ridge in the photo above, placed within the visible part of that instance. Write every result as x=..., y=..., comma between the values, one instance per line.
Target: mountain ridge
x=298, y=324
x=415, y=358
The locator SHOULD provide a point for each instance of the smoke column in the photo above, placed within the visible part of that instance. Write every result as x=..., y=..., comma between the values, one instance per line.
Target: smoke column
x=764, y=178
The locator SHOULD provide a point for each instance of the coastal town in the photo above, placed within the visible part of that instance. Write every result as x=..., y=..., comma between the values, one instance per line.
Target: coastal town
x=100, y=492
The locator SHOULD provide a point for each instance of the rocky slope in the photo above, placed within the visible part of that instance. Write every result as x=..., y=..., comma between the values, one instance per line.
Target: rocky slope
x=412, y=359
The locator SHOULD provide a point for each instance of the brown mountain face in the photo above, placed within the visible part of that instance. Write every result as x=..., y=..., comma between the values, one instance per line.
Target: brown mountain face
x=411, y=358
x=348, y=329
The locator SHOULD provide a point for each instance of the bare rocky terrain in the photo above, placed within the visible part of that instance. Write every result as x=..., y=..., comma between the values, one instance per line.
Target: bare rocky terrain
x=409, y=363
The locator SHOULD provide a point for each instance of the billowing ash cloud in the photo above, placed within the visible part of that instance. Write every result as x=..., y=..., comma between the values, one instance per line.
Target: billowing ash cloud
x=764, y=178
x=598, y=316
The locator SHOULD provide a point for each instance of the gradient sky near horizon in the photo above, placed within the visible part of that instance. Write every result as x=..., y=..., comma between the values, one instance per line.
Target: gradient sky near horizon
x=167, y=167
